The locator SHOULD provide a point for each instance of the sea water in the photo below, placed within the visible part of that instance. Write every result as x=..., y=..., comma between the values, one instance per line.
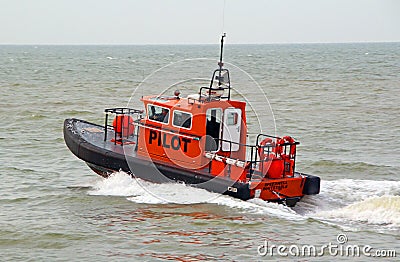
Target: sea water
x=341, y=101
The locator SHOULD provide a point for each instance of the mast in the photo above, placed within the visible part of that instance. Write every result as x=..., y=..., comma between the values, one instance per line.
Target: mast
x=222, y=75
x=220, y=63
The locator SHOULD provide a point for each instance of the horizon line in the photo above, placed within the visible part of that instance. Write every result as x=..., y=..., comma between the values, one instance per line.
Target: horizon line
x=181, y=44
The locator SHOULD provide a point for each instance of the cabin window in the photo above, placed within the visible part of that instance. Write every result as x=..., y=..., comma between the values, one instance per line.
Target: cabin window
x=158, y=113
x=213, y=128
x=232, y=118
x=182, y=119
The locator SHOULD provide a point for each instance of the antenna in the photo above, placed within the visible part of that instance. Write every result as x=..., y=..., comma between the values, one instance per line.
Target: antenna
x=220, y=63
x=224, y=82
x=223, y=16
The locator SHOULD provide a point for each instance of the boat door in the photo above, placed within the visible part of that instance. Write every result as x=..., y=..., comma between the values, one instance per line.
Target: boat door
x=213, y=129
x=231, y=130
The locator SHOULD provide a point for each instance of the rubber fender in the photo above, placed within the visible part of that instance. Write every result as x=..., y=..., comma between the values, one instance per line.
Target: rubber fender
x=312, y=185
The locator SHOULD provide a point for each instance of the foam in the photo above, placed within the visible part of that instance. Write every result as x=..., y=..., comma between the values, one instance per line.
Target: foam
x=382, y=210
x=344, y=200
x=143, y=192
x=140, y=191
x=351, y=190
x=364, y=202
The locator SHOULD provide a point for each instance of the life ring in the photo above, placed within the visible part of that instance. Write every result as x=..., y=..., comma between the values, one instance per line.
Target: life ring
x=279, y=146
x=292, y=142
x=263, y=143
x=288, y=139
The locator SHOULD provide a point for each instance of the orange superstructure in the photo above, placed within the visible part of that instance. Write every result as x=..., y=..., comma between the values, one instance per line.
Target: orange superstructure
x=173, y=140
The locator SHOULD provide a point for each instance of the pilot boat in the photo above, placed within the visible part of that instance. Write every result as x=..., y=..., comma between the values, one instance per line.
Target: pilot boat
x=200, y=140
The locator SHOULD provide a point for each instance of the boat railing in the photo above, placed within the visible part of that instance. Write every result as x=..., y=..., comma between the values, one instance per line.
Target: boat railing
x=252, y=159
x=216, y=91
x=124, y=118
x=287, y=150
x=209, y=94
x=254, y=163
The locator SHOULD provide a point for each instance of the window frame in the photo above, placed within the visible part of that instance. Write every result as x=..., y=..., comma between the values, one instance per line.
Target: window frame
x=235, y=118
x=221, y=123
x=191, y=119
x=156, y=121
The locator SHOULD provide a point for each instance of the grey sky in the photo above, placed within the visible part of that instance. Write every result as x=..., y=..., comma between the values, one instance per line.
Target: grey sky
x=197, y=21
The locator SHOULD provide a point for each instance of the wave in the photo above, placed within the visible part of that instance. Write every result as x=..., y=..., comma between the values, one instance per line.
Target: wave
x=382, y=210
x=353, y=190
x=353, y=166
x=330, y=163
x=356, y=169
x=343, y=202
x=355, y=204
x=73, y=112
x=144, y=192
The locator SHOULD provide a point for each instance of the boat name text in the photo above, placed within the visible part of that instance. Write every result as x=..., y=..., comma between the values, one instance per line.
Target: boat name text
x=276, y=186
x=174, y=142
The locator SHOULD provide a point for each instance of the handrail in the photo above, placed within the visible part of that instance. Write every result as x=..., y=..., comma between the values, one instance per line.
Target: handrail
x=123, y=110
x=120, y=111
x=220, y=70
x=208, y=95
x=254, y=153
x=276, y=137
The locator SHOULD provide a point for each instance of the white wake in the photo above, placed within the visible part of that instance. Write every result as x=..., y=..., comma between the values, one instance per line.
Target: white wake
x=342, y=202
x=143, y=192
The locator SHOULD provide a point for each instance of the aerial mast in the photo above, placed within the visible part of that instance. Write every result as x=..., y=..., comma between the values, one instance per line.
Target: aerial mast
x=220, y=63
